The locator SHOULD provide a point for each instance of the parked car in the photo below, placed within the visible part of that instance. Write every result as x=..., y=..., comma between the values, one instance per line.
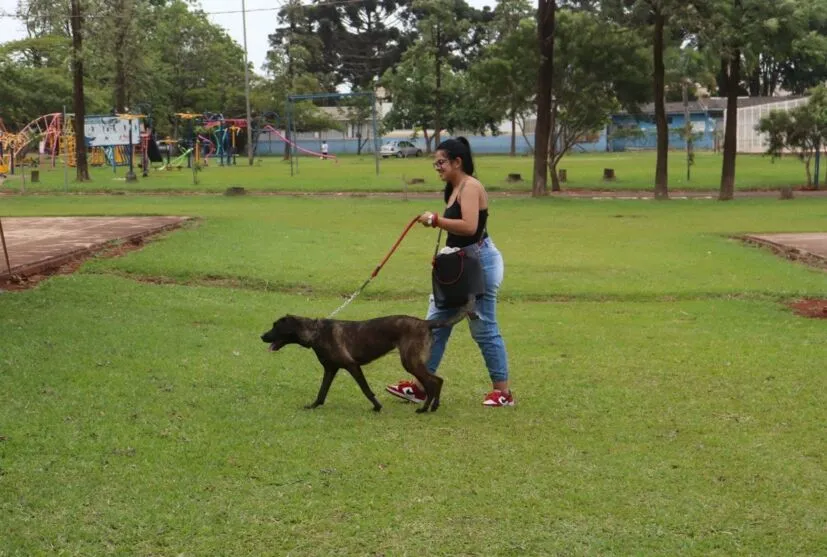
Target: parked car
x=400, y=149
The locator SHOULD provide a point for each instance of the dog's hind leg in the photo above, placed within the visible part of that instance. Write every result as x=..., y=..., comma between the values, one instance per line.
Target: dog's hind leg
x=327, y=379
x=430, y=382
x=433, y=387
x=413, y=360
x=356, y=371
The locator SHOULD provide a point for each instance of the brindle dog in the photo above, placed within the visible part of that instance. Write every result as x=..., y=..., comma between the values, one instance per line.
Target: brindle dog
x=352, y=344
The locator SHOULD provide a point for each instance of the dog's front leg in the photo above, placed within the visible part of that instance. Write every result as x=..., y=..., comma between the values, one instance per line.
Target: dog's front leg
x=357, y=374
x=327, y=379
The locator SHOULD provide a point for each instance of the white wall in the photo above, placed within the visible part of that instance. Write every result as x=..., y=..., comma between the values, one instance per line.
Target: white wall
x=751, y=141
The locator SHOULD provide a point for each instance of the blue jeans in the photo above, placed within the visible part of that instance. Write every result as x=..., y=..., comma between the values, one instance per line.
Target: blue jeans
x=484, y=329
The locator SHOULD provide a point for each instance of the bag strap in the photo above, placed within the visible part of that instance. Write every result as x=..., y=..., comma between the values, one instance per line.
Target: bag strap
x=436, y=249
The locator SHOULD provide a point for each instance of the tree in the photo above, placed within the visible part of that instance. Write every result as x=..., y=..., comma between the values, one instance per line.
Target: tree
x=598, y=69
x=294, y=63
x=733, y=31
x=361, y=111
x=546, y=12
x=802, y=129
x=367, y=37
x=505, y=77
x=440, y=35
x=76, y=24
x=28, y=91
x=806, y=65
x=666, y=23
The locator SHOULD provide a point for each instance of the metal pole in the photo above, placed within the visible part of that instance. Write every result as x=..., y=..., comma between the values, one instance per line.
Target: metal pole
x=5, y=249
x=687, y=129
x=287, y=131
x=247, y=84
x=375, y=138
x=62, y=137
x=295, y=147
x=130, y=176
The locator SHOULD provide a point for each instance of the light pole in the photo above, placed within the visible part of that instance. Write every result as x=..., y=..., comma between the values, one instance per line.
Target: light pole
x=247, y=83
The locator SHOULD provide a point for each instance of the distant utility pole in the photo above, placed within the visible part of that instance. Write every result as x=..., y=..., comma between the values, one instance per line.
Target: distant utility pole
x=247, y=84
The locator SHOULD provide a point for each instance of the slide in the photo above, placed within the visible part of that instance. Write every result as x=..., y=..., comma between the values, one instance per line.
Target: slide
x=271, y=129
x=211, y=150
x=47, y=127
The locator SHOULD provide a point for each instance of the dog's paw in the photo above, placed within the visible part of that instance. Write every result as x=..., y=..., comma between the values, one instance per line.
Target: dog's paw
x=377, y=408
x=435, y=405
x=312, y=406
x=421, y=410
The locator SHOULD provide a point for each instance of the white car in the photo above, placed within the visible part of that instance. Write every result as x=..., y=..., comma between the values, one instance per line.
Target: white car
x=400, y=149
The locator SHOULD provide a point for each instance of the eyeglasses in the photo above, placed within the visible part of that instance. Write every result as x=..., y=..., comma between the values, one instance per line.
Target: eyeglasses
x=440, y=162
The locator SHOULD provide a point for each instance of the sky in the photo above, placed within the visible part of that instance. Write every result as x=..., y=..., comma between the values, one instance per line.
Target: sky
x=261, y=21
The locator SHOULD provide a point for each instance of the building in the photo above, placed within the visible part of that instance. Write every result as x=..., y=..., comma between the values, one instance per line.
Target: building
x=708, y=117
x=625, y=131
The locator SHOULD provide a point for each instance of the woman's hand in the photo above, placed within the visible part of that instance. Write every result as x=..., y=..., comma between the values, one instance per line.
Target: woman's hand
x=428, y=219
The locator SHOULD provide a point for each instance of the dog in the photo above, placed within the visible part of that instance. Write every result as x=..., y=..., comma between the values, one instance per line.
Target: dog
x=353, y=344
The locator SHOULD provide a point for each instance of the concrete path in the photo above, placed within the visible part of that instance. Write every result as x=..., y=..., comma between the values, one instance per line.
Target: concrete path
x=812, y=244
x=38, y=244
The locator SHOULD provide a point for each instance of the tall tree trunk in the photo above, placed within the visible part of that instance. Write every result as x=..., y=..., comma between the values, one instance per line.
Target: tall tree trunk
x=755, y=81
x=553, y=161
x=553, y=158
x=545, y=37
x=427, y=139
x=124, y=9
x=79, y=101
x=721, y=78
x=438, y=92
x=661, y=165
x=513, y=151
x=727, y=191
x=807, y=159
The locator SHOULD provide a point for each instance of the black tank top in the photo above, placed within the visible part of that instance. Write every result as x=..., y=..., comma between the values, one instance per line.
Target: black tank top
x=456, y=241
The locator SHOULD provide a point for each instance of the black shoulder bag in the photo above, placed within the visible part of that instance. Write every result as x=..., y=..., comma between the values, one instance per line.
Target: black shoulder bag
x=456, y=276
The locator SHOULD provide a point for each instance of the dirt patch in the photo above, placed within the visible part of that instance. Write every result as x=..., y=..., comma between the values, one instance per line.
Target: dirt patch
x=810, y=307
x=114, y=249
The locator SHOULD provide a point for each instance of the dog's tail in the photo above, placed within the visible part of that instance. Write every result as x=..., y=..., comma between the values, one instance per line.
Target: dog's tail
x=456, y=318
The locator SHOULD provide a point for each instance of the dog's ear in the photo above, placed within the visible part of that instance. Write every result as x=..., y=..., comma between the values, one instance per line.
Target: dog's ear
x=299, y=328
x=305, y=330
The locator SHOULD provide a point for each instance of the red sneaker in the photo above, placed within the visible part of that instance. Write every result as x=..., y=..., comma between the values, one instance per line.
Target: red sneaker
x=407, y=390
x=498, y=398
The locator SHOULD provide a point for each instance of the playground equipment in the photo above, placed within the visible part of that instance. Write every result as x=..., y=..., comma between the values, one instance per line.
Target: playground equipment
x=44, y=131
x=296, y=146
x=177, y=162
x=200, y=144
x=205, y=137
x=112, y=140
x=291, y=121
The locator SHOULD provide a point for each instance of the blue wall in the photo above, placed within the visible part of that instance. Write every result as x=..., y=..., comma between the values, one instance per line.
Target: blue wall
x=487, y=144
x=675, y=121
x=501, y=144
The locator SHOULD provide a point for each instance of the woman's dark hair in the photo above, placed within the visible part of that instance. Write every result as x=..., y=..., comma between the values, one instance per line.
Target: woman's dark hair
x=457, y=148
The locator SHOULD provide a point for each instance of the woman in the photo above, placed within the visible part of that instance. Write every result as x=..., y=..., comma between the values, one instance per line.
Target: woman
x=465, y=220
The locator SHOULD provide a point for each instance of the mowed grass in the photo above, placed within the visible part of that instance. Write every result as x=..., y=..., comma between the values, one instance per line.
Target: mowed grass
x=668, y=401
x=634, y=170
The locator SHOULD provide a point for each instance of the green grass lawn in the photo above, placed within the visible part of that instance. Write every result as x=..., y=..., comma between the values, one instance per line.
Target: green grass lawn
x=635, y=171
x=667, y=400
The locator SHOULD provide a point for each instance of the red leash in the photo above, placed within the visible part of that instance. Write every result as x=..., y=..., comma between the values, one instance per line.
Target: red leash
x=393, y=249
x=378, y=268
